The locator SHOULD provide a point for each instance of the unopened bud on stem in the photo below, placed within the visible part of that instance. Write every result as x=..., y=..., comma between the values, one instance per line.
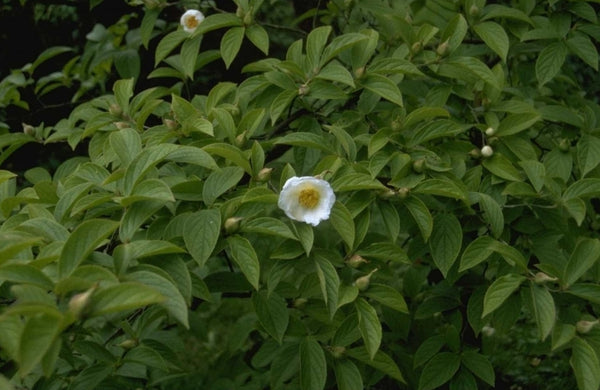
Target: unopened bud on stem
x=232, y=224
x=584, y=326
x=487, y=151
x=363, y=282
x=356, y=261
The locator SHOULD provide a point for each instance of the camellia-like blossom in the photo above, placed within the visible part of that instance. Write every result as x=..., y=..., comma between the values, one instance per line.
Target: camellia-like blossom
x=306, y=199
x=191, y=19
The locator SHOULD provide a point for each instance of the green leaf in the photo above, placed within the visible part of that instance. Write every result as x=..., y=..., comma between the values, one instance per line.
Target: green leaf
x=466, y=68
x=516, y=123
x=167, y=44
x=536, y=173
x=502, y=167
x=479, y=365
x=428, y=349
x=313, y=368
x=549, y=62
x=143, y=162
x=146, y=356
x=492, y=214
x=90, y=377
x=175, y=303
x=421, y=214
x=123, y=90
x=149, y=189
x=218, y=182
x=231, y=43
x=272, y=313
x=499, y=291
x=217, y=21
x=588, y=153
x=562, y=334
x=381, y=361
x=369, y=326
x=585, y=365
x=423, y=114
x=329, y=282
x=350, y=41
x=82, y=242
x=356, y=181
x=230, y=153
x=315, y=42
x=497, y=11
x=383, y=87
x=494, y=37
x=455, y=32
x=25, y=273
x=543, y=308
x=268, y=225
x=36, y=339
x=334, y=71
x=127, y=144
x=347, y=375
x=243, y=254
x=280, y=104
x=45, y=227
x=306, y=235
x=439, y=370
x=445, y=188
x=476, y=252
x=583, y=188
x=259, y=37
x=342, y=222
x=148, y=23
x=446, y=241
x=585, y=255
x=387, y=296
x=189, y=54
x=583, y=47
x=588, y=291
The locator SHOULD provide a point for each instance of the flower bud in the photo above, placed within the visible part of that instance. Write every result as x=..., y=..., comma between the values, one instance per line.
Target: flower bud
x=122, y=125
x=474, y=10
x=128, y=344
x=475, y=153
x=534, y=362
x=403, y=192
x=541, y=278
x=303, y=90
x=490, y=131
x=419, y=165
x=487, y=151
x=170, y=123
x=240, y=140
x=239, y=12
x=264, y=175
x=388, y=194
x=28, y=129
x=416, y=47
x=355, y=261
x=79, y=303
x=337, y=351
x=248, y=19
x=584, y=326
x=442, y=48
x=359, y=72
x=363, y=282
x=488, y=330
x=564, y=145
x=300, y=302
x=115, y=110
x=232, y=224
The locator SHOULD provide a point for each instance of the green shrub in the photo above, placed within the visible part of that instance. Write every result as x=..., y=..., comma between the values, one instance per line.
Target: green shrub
x=461, y=142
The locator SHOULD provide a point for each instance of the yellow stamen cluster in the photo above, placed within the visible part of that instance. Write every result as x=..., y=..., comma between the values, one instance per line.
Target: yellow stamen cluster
x=191, y=22
x=309, y=198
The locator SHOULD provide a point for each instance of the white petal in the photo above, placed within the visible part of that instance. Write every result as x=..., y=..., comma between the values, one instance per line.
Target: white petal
x=289, y=199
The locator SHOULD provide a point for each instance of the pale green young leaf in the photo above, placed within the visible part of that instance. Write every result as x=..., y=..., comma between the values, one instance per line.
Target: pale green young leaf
x=549, y=62
x=499, y=291
x=445, y=241
x=439, y=370
x=272, y=313
x=369, y=326
x=259, y=37
x=82, y=242
x=167, y=44
x=585, y=365
x=313, y=368
x=242, y=253
x=230, y=44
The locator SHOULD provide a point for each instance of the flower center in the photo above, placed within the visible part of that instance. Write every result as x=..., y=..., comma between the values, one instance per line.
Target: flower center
x=191, y=22
x=309, y=198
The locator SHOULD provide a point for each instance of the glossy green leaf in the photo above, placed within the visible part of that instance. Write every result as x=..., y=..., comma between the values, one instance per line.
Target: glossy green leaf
x=383, y=87
x=499, y=291
x=231, y=43
x=421, y=215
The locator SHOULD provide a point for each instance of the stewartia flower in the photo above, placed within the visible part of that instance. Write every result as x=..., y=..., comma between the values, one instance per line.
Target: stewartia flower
x=191, y=19
x=306, y=199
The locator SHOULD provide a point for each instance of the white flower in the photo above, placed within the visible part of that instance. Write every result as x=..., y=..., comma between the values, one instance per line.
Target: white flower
x=487, y=151
x=191, y=19
x=306, y=199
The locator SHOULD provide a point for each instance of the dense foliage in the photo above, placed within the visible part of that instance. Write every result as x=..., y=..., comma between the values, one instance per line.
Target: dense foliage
x=141, y=242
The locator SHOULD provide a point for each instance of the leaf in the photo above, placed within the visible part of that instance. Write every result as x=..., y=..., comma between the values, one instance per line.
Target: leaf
x=544, y=310
x=424, y=113
x=329, y=282
x=127, y=144
x=428, y=349
x=218, y=182
x=142, y=163
x=492, y=213
x=175, y=303
x=37, y=337
x=585, y=365
x=25, y=273
x=445, y=241
x=439, y=370
x=381, y=361
x=494, y=37
x=549, y=62
x=167, y=44
x=582, y=46
x=82, y=242
x=455, y=32
x=440, y=187
x=230, y=44
x=383, y=87
x=369, y=326
x=189, y=54
x=499, y=291
x=476, y=252
x=387, y=296
x=259, y=37
x=536, y=173
x=230, y=153
x=347, y=375
x=123, y=90
x=243, y=254
x=516, y=123
x=346, y=41
x=217, y=21
x=583, y=188
x=502, y=167
x=588, y=153
x=280, y=104
x=421, y=215
x=268, y=225
x=342, y=222
x=588, y=291
x=272, y=313
x=479, y=365
x=313, y=368
x=562, y=334
x=315, y=42
x=468, y=67
x=306, y=235
x=585, y=255
x=90, y=377
x=334, y=71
